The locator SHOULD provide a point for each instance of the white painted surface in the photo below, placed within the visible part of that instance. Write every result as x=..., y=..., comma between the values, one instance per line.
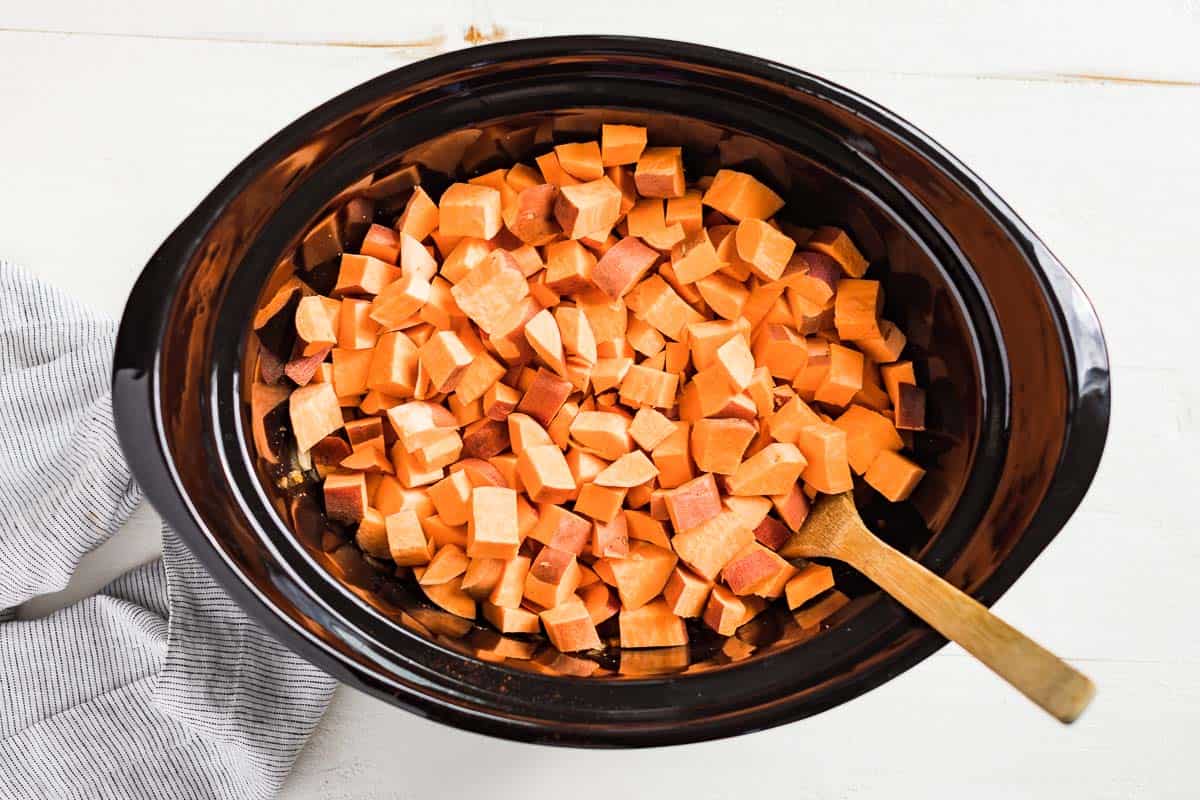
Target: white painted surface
x=117, y=118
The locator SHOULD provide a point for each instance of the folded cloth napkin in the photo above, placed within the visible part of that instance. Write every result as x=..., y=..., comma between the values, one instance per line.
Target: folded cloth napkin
x=159, y=686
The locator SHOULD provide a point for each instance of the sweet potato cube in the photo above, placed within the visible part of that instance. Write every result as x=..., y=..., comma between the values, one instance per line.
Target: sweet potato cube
x=740, y=196
x=694, y=257
x=662, y=308
x=764, y=248
x=397, y=304
x=686, y=592
x=724, y=295
x=511, y=620
x=553, y=577
x=686, y=211
x=601, y=603
x=867, y=432
x=709, y=546
x=371, y=536
x=642, y=386
x=470, y=210
x=314, y=413
x=510, y=583
x=810, y=581
x=893, y=475
x=856, y=309
x=620, y=269
x=640, y=575
x=479, y=376
x=792, y=507
x=718, y=444
x=569, y=627
x=416, y=260
x=569, y=266
x=750, y=509
x=601, y=503
x=381, y=242
x=393, y=367
x=725, y=612
x=649, y=428
x=647, y=221
x=643, y=527
x=531, y=217
x=828, y=467
x=587, y=208
x=561, y=529
x=631, y=469
x=785, y=424
x=844, y=378
x=445, y=359
x=491, y=292
x=465, y=256
x=772, y=470
x=351, y=371
x=576, y=333
x=544, y=474
x=499, y=401
x=581, y=160
x=543, y=336
x=406, y=539
x=672, y=458
x=621, y=144
x=317, y=323
x=771, y=533
x=603, y=432
x=652, y=625
x=755, y=564
x=836, y=243
x=451, y=496
x=781, y=350
x=450, y=597
x=447, y=563
x=434, y=448
x=552, y=171
x=484, y=438
x=420, y=216
x=359, y=275
x=345, y=497
x=482, y=576
x=735, y=362
x=659, y=172
x=356, y=329
x=545, y=396
x=492, y=530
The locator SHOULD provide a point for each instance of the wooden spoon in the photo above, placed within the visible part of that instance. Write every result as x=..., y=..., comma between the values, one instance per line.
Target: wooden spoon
x=835, y=530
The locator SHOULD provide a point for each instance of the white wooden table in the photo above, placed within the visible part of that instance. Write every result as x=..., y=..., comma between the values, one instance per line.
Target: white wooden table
x=116, y=118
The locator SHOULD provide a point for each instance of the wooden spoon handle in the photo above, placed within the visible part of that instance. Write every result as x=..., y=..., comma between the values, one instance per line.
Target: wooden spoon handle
x=1040, y=675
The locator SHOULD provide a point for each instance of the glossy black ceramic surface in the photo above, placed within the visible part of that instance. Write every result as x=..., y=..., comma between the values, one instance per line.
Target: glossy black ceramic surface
x=1005, y=340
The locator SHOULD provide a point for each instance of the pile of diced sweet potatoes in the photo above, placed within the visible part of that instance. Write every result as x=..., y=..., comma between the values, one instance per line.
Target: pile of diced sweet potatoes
x=588, y=387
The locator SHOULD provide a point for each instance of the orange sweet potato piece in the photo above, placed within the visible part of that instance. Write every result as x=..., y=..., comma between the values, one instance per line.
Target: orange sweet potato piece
x=763, y=247
x=356, y=329
x=317, y=323
x=445, y=359
x=447, y=563
x=420, y=216
x=576, y=333
x=492, y=530
x=451, y=496
x=545, y=396
x=686, y=211
x=686, y=592
x=561, y=529
x=740, y=196
x=640, y=574
x=752, y=566
x=470, y=210
x=649, y=428
x=499, y=401
x=659, y=305
x=345, y=496
x=694, y=257
x=603, y=432
x=867, y=433
x=631, y=469
x=726, y=296
x=643, y=527
x=844, y=378
x=643, y=386
x=393, y=367
x=406, y=539
x=856, y=309
x=553, y=577
x=601, y=603
x=351, y=370
x=511, y=620
x=771, y=533
x=781, y=350
x=619, y=269
x=810, y=581
x=659, y=172
x=569, y=266
x=466, y=255
x=580, y=160
x=672, y=458
x=893, y=475
x=652, y=625
x=709, y=546
x=621, y=144
x=314, y=413
x=795, y=415
x=884, y=347
x=485, y=438
x=371, y=535
x=588, y=208
x=542, y=333
x=792, y=507
x=491, y=291
x=544, y=474
x=718, y=444
x=363, y=275
x=601, y=503
x=725, y=612
x=449, y=596
x=482, y=576
x=509, y=588
x=552, y=171
x=569, y=627
x=382, y=243
x=828, y=468
x=835, y=243
x=531, y=217
x=770, y=471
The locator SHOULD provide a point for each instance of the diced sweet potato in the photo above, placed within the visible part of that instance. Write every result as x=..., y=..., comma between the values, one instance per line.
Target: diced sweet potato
x=581, y=160
x=844, y=378
x=482, y=576
x=649, y=428
x=740, y=196
x=718, y=444
x=763, y=247
x=545, y=396
x=835, y=243
x=771, y=533
x=420, y=216
x=561, y=529
x=492, y=530
x=509, y=586
x=587, y=208
x=314, y=413
x=406, y=539
x=543, y=336
x=569, y=627
x=792, y=507
x=754, y=565
x=490, y=292
x=686, y=593
x=709, y=546
x=750, y=508
x=544, y=474
x=620, y=269
x=449, y=596
x=639, y=575
x=470, y=210
x=511, y=620
x=659, y=172
x=610, y=537
x=600, y=601
x=725, y=612
x=345, y=497
x=447, y=563
x=810, y=581
x=553, y=577
x=694, y=257
x=770, y=471
x=445, y=359
x=621, y=144
x=893, y=475
x=652, y=625
x=828, y=467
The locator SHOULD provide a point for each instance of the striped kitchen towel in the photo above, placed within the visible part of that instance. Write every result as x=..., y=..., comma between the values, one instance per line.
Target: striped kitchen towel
x=159, y=686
